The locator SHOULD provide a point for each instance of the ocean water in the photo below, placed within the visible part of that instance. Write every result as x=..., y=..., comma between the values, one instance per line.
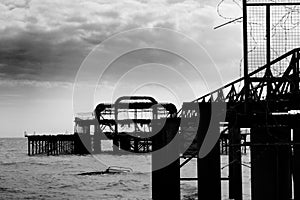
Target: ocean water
x=56, y=177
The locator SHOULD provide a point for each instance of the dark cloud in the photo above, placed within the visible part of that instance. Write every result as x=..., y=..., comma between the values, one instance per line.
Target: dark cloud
x=17, y=4
x=38, y=55
x=48, y=41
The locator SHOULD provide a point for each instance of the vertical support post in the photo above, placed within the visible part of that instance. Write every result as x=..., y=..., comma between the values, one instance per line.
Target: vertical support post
x=208, y=168
x=270, y=163
x=235, y=168
x=36, y=146
x=39, y=146
x=59, y=146
x=47, y=147
x=136, y=144
x=165, y=181
x=44, y=143
x=295, y=85
x=245, y=41
x=54, y=146
x=51, y=146
x=125, y=143
x=63, y=146
x=82, y=143
x=97, y=139
x=42, y=146
x=268, y=53
x=283, y=152
x=268, y=36
x=116, y=144
x=57, y=149
x=209, y=176
x=226, y=146
x=28, y=147
x=296, y=162
x=33, y=147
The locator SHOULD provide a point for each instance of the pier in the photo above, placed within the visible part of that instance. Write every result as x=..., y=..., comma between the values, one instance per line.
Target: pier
x=51, y=144
x=258, y=113
x=126, y=124
x=265, y=102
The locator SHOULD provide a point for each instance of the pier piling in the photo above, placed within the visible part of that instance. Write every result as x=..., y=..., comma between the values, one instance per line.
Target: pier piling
x=165, y=180
x=235, y=167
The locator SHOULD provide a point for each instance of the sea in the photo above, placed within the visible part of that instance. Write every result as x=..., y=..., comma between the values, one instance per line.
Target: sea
x=58, y=177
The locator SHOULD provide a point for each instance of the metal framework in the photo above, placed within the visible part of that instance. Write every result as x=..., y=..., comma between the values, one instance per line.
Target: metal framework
x=261, y=88
x=128, y=122
x=265, y=101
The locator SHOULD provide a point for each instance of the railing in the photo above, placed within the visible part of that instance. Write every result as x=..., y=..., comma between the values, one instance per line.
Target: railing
x=257, y=92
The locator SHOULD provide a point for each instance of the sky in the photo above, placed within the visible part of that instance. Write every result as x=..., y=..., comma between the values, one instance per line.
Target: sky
x=47, y=47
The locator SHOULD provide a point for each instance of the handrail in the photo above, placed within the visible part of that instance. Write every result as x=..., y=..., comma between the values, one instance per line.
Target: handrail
x=252, y=73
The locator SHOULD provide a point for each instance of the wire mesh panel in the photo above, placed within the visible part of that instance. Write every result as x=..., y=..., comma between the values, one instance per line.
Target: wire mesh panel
x=256, y=37
x=285, y=33
x=284, y=22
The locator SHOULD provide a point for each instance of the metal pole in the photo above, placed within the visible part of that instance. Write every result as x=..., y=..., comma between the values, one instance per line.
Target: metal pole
x=268, y=53
x=29, y=146
x=245, y=41
x=235, y=168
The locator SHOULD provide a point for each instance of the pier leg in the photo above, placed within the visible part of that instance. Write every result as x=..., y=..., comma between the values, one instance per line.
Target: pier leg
x=28, y=143
x=36, y=147
x=270, y=163
x=116, y=144
x=166, y=181
x=208, y=168
x=51, y=147
x=40, y=147
x=82, y=143
x=296, y=163
x=32, y=147
x=235, y=167
x=136, y=145
x=97, y=139
x=63, y=146
x=125, y=143
x=47, y=147
x=58, y=146
x=43, y=147
x=209, y=175
x=54, y=147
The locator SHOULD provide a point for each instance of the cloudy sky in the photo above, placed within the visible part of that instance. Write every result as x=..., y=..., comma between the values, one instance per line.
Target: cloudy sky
x=43, y=44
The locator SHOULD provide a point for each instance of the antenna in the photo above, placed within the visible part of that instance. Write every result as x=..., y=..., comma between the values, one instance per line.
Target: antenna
x=228, y=23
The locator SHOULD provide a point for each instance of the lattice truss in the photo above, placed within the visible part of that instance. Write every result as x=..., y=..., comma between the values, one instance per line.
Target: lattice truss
x=280, y=87
x=284, y=55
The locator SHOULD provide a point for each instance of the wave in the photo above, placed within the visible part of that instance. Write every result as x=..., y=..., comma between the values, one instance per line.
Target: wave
x=22, y=163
